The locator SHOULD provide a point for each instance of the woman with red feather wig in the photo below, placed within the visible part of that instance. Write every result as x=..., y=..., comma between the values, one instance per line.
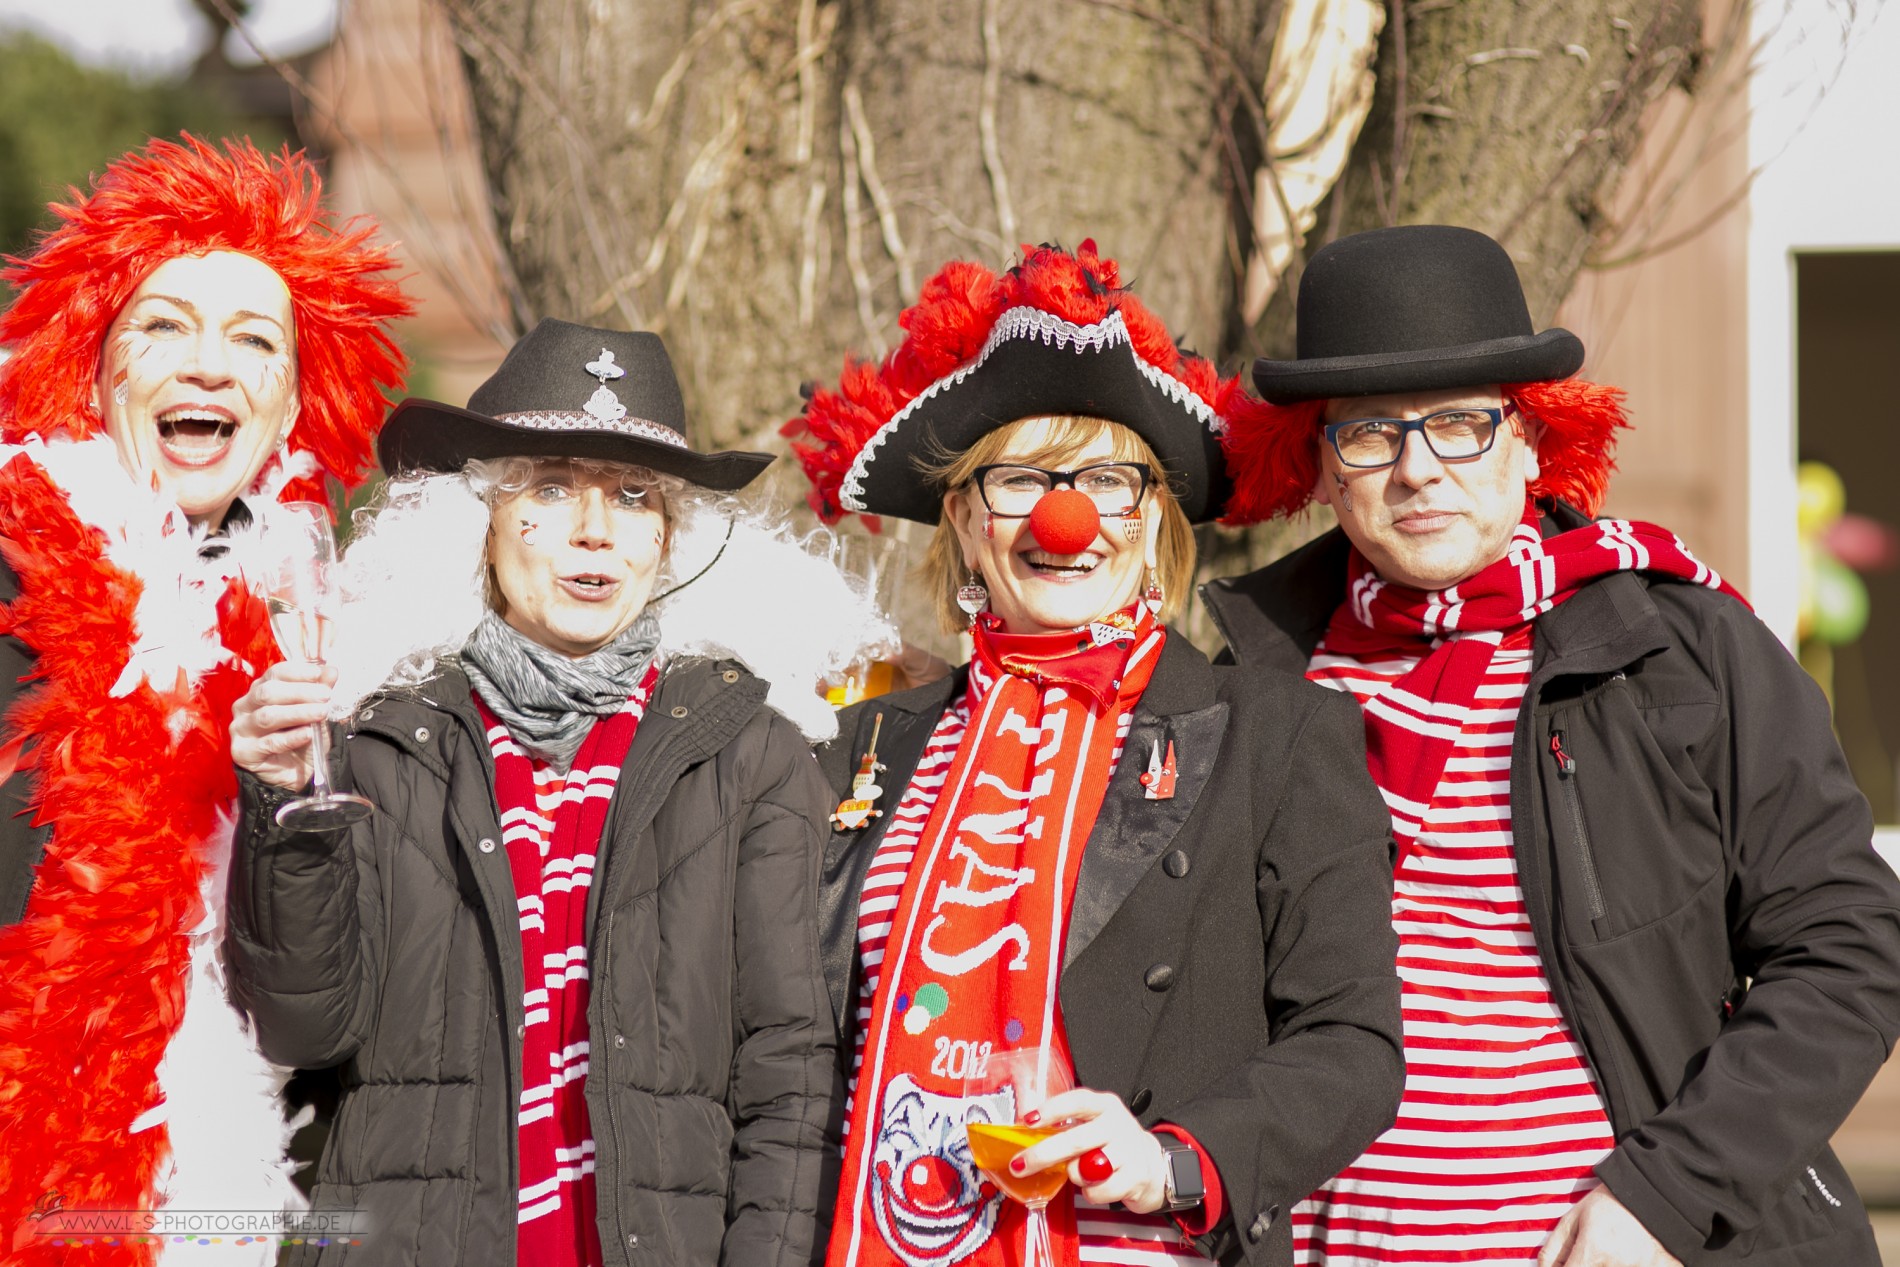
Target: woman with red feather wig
x=193, y=340
x=1088, y=845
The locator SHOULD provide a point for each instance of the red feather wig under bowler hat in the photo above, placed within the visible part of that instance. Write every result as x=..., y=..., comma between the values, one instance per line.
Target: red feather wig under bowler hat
x=191, y=198
x=1273, y=450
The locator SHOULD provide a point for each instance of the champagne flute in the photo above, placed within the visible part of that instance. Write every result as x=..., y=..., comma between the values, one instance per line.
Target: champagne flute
x=300, y=593
x=1031, y=1075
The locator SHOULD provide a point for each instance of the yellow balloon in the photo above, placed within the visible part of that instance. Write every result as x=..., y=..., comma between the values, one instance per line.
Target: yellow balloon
x=1820, y=497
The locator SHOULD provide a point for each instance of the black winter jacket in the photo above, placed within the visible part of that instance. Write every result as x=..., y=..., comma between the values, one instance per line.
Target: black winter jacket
x=396, y=952
x=1229, y=960
x=1715, y=924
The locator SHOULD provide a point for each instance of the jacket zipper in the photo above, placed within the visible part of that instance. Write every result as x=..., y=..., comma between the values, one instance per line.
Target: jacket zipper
x=1567, y=788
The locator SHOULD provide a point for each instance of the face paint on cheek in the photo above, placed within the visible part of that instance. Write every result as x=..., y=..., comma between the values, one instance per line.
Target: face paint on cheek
x=1131, y=529
x=120, y=391
x=527, y=532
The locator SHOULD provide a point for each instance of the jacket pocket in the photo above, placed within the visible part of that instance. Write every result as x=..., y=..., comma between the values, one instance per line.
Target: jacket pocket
x=1582, y=852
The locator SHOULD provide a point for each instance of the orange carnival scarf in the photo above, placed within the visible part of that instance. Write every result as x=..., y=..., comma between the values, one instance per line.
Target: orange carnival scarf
x=976, y=943
x=134, y=782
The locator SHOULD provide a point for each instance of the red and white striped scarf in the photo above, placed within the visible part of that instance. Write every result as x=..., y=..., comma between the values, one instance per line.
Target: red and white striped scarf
x=1412, y=729
x=551, y=824
x=976, y=939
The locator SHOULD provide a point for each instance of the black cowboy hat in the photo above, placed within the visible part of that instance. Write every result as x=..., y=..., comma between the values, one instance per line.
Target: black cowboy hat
x=1035, y=364
x=573, y=392
x=1422, y=307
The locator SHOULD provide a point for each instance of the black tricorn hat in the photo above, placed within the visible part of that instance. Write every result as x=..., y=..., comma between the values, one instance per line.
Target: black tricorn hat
x=1421, y=307
x=1035, y=364
x=567, y=391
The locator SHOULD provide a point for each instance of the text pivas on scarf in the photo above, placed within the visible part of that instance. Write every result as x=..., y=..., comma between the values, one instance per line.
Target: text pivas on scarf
x=975, y=946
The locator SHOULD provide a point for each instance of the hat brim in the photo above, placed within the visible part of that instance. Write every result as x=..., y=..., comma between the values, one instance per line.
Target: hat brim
x=1537, y=358
x=1033, y=378
x=427, y=435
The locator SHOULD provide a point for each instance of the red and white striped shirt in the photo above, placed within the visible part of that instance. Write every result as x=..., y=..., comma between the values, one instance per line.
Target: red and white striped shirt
x=551, y=824
x=1110, y=1237
x=1502, y=1120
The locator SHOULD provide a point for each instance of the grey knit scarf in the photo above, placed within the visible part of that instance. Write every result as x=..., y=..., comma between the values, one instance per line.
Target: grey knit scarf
x=547, y=700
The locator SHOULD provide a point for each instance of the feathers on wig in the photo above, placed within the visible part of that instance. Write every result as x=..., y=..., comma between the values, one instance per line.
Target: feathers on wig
x=947, y=328
x=176, y=199
x=1273, y=450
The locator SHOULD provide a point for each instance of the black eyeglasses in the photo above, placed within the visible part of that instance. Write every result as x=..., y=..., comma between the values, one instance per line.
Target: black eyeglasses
x=1116, y=488
x=1450, y=434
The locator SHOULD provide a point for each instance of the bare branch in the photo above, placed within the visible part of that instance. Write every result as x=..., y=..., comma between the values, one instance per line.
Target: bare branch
x=986, y=127
x=854, y=236
x=880, y=197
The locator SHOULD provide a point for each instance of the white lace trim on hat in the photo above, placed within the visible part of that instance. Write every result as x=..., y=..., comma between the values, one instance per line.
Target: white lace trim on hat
x=575, y=420
x=1031, y=323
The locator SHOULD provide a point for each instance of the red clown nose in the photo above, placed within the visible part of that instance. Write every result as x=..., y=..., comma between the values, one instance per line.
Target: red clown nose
x=1065, y=522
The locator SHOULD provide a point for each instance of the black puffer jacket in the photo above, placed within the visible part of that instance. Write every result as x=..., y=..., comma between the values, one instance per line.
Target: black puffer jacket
x=1715, y=924
x=396, y=953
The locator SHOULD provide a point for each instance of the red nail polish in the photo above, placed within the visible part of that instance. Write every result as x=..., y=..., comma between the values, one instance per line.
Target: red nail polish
x=1032, y=1117
x=1016, y=1166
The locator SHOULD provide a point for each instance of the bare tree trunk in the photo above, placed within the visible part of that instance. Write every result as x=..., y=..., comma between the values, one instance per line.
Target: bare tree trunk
x=1512, y=118
x=766, y=182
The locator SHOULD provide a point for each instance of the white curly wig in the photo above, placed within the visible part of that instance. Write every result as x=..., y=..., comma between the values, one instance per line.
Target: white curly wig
x=736, y=583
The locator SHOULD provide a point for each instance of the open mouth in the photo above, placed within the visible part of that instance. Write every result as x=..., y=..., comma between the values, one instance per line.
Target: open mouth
x=590, y=587
x=1062, y=567
x=941, y=1234
x=195, y=436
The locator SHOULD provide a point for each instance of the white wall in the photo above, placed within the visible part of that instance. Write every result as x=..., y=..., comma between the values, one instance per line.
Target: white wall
x=1828, y=148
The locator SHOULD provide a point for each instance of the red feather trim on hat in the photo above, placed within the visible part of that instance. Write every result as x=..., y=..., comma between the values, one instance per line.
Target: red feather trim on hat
x=93, y=986
x=947, y=328
x=1273, y=450
x=189, y=199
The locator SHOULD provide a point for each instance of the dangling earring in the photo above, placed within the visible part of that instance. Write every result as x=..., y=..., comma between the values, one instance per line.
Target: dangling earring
x=1345, y=493
x=1153, y=597
x=973, y=596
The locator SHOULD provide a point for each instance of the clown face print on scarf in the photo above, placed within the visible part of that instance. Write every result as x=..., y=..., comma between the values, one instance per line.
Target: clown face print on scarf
x=198, y=378
x=932, y=1207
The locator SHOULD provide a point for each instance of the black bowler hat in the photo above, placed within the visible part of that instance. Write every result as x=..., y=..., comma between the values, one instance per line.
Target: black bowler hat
x=567, y=391
x=1422, y=307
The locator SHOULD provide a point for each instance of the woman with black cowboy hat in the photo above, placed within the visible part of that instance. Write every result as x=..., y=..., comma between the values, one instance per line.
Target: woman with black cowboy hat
x=1087, y=843
x=570, y=967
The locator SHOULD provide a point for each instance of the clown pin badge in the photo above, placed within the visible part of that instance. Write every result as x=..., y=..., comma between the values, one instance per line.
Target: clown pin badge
x=861, y=806
x=1158, y=779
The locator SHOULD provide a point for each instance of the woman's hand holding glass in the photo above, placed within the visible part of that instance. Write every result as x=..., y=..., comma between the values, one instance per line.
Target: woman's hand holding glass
x=1137, y=1175
x=271, y=727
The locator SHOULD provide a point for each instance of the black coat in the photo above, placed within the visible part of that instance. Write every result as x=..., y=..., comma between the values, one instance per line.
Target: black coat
x=396, y=952
x=1715, y=925
x=1229, y=961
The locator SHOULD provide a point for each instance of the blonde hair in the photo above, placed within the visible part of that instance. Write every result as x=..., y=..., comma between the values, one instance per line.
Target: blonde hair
x=942, y=571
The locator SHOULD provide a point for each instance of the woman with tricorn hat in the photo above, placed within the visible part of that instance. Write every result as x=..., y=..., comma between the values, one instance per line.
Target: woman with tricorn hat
x=1196, y=932
x=571, y=966
x=193, y=338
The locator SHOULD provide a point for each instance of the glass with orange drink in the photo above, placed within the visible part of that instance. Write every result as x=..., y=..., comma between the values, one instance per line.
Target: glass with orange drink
x=1031, y=1075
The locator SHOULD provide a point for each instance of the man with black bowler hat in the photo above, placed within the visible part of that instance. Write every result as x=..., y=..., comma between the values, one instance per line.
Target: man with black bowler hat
x=1649, y=957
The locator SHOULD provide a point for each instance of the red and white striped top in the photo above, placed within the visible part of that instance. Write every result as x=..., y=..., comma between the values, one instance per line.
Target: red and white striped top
x=1111, y=1237
x=1502, y=1120
x=551, y=825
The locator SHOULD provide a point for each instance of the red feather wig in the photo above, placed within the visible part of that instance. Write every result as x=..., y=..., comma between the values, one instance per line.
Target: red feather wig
x=947, y=329
x=190, y=198
x=1273, y=450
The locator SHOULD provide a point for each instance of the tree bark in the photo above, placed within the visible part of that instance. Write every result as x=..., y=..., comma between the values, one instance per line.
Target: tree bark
x=766, y=182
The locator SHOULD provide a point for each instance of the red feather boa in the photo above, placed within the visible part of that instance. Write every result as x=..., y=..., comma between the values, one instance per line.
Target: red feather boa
x=92, y=981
